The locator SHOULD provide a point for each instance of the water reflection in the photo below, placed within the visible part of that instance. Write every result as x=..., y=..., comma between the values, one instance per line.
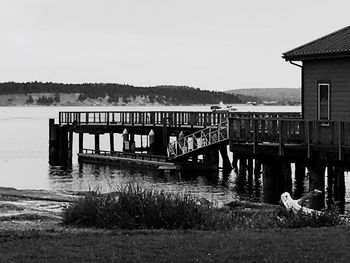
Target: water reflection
x=217, y=185
x=248, y=180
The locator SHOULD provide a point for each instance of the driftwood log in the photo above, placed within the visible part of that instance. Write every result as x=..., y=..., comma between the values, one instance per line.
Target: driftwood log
x=296, y=205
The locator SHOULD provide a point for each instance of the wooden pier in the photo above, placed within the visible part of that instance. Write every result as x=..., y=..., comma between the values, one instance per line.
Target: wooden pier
x=266, y=143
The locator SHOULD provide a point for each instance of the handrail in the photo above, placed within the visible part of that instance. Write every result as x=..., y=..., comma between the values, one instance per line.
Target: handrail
x=309, y=133
x=161, y=118
x=198, y=140
x=139, y=156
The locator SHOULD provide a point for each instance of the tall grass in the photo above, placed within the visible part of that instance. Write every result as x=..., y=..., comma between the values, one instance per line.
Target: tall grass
x=132, y=207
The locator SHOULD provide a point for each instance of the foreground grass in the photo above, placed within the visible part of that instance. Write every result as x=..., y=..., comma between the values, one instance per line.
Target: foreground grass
x=284, y=245
x=135, y=208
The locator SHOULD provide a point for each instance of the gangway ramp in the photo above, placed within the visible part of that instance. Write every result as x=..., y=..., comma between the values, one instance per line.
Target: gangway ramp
x=205, y=139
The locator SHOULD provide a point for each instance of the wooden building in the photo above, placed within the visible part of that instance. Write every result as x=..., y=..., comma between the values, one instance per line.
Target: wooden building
x=325, y=76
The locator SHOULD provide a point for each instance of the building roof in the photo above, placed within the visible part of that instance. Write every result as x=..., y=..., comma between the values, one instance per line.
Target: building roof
x=333, y=45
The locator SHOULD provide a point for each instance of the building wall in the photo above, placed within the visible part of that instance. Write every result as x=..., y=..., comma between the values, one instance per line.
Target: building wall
x=337, y=73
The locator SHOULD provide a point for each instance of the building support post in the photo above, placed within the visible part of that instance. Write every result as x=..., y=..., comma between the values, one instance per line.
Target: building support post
x=286, y=180
x=299, y=179
x=271, y=182
x=340, y=186
x=330, y=180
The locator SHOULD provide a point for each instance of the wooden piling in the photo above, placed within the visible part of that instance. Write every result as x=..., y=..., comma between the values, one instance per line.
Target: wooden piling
x=97, y=143
x=226, y=164
x=63, y=146
x=111, y=141
x=70, y=148
x=81, y=142
x=126, y=145
x=53, y=142
x=257, y=176
x=316, y=170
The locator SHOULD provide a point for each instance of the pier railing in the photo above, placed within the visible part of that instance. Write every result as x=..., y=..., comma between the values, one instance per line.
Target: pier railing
x=161, y=118
x=198, y=140
x=291, y=131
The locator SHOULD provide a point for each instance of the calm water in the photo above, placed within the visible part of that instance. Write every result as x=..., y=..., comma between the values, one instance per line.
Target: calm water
x=24, y=158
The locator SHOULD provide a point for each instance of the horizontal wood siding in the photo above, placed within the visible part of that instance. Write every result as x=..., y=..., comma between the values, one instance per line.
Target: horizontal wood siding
x=337, y=72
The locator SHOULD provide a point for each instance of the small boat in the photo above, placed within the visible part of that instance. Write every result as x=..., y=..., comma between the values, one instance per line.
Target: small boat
x=221, y=107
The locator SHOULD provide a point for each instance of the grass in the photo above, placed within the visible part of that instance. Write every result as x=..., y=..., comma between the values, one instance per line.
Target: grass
x=270, y=245
x=135, y=208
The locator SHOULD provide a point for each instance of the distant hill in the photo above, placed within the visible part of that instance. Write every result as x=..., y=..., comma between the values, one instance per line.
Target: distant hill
x=271, y=95
x=39, y=93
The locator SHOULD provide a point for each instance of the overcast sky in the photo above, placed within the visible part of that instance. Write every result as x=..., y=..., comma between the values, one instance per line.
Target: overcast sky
x=207, y=44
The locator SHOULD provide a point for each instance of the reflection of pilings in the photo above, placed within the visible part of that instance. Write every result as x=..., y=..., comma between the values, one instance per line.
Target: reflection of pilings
x=316, y=170
x=234, y=162
x=257, y=174
x=250, y=175
x=226, y=164
x=340, y=186
x=330, y=177
x=241, y=175
x=299, y=179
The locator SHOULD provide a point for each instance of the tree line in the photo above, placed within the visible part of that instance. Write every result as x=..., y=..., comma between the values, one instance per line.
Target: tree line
x=173, y=95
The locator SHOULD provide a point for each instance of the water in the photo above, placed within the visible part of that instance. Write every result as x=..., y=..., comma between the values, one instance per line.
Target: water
x=24, y=157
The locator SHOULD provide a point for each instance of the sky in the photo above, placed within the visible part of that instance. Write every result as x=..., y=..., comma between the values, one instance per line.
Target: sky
x=213, y=45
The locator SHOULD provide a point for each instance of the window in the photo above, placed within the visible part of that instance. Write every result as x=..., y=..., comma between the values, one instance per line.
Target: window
x=323, y=101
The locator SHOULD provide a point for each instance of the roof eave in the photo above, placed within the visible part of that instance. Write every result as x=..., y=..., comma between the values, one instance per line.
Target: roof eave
x=315, y=56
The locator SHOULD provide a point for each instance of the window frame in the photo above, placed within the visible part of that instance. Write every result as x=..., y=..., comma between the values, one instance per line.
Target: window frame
x=319, y=101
